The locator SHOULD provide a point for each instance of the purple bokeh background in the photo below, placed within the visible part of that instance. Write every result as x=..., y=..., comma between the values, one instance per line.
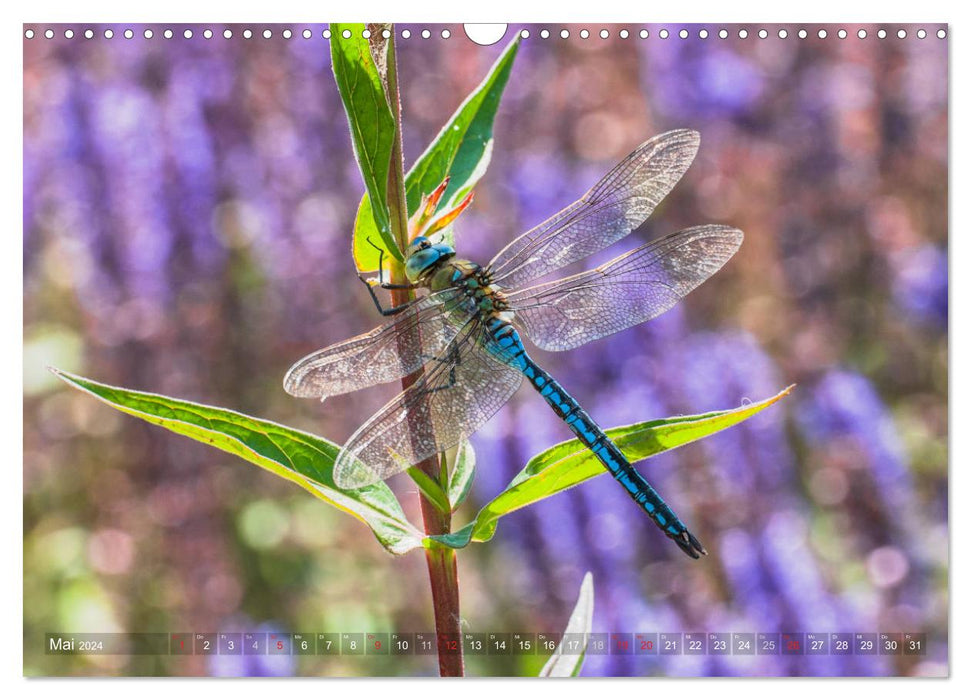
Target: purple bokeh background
x=188, y=205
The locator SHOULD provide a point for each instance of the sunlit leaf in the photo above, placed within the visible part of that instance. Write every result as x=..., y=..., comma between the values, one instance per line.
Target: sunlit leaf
x=305, y=459
x=567, y=661
x=460, y=481
x=565, y=465
x=371, y=122
x=461, y=151
x=428, y=486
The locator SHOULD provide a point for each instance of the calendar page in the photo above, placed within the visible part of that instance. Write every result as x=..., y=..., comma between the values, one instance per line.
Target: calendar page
x=485, y=350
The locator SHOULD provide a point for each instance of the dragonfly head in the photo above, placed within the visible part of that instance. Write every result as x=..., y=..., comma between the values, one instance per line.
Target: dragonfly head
x=421, y=256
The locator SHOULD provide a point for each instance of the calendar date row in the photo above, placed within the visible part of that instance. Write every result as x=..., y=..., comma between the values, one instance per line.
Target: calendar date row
x=491, y=643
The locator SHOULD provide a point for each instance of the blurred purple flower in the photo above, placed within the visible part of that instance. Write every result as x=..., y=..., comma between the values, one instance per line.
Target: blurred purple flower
x=253, y=665
x=845, y=405
x=920, y=284
x=691, y=80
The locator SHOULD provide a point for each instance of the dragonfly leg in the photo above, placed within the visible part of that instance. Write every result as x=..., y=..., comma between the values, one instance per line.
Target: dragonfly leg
x=377, y=303
x=452, y=357
x=451, y=383
x=381, y=282
x=369, y=283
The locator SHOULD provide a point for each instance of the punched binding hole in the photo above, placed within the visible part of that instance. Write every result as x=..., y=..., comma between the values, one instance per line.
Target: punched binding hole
x=486, y=34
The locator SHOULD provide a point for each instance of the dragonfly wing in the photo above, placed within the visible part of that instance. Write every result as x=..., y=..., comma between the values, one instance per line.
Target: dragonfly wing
x=455, y=395
x=614, y=207
x=628, y=290
x=384, y=354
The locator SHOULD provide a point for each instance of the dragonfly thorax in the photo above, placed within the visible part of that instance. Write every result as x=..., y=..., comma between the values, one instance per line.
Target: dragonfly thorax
x=475, y=283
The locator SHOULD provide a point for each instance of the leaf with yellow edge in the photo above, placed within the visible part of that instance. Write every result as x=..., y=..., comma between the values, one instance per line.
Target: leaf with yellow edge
x=565, y=465
x=461, y=152
x=303, y=458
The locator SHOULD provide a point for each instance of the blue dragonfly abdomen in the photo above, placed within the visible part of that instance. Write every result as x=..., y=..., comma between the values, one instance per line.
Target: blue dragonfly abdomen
x=504, y=341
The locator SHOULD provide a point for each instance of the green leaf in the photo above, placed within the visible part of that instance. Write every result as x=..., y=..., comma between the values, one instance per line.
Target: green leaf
x=456, y=540
x=461, y=151
x=303, y=458
x=565, y=465
x=460, y=481
x=564, y=663
x=371, y=122
x=428, y=486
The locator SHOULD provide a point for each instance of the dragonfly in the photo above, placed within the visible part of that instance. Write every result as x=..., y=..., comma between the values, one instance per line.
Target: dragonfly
x=465, y=329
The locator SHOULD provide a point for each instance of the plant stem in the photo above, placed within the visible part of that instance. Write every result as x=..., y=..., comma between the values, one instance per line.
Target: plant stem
x=442, y=562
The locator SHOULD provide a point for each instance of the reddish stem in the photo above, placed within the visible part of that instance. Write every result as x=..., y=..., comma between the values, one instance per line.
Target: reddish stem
x=442, y=562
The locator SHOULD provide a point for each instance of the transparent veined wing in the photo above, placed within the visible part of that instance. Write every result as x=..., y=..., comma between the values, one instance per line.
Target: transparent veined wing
x=388, y=352
x=614, y=207
x=630, y=289
x=456, y=394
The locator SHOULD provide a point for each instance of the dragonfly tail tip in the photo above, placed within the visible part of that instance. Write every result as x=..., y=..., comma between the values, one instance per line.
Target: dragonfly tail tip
x=690, y=545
